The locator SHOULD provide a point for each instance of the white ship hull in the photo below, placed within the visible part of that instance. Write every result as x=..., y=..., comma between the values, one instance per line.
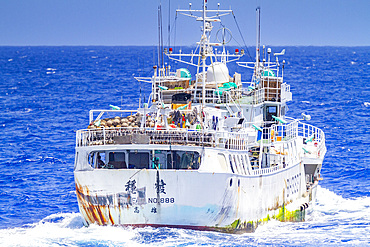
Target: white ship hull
x=193, y=199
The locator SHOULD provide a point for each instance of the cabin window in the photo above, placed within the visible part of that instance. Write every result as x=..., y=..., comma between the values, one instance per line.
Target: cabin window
x=97, y=160
x=138, y=160
x=235, y=165
x=190, y=160
x=246, y=163
x=182, y=160
x=117, y=160
x=241, y=160
x=231, y=164
x=269, y=112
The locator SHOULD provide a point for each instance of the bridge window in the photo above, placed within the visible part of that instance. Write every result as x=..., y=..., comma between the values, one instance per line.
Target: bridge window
x=97, y=159
x=138, y=160
x=182, y=160
x=269, y=112
x=117, y=160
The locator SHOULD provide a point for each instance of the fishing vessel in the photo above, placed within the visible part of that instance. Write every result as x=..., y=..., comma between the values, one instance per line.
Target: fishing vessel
x=207, y=151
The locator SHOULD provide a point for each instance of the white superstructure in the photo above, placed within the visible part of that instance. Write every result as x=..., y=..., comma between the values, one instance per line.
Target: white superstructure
x=204, y=152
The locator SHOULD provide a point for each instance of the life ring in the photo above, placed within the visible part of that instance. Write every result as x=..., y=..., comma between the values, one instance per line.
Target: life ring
x=272, y=135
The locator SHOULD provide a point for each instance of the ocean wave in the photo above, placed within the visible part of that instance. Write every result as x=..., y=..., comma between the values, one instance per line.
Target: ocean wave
x=66, y=229
x=333, y=221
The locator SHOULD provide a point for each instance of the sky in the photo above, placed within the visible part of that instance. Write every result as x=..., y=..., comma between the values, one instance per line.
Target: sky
x=135, y=22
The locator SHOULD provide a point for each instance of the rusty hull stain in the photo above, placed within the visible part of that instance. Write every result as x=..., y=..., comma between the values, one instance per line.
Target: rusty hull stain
x=94, y=213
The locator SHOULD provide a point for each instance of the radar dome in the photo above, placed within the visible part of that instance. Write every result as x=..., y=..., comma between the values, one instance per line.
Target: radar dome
x=218, y=72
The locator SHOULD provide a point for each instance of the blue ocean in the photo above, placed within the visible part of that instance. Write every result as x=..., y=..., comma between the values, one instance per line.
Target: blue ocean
x=46, y=94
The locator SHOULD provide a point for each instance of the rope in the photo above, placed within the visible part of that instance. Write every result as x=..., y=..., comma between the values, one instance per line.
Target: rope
x=237, y=25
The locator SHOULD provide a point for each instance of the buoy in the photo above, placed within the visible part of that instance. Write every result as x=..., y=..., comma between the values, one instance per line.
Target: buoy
x=116, y=121
x=113, y=107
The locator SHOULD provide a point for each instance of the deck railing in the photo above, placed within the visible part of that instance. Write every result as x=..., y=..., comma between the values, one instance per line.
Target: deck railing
x=91, y=137
x=221, y=139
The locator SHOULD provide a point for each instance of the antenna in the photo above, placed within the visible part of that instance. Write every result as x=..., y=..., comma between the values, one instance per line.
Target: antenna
x=169, y=24
x=160, y=36
x=258, y=19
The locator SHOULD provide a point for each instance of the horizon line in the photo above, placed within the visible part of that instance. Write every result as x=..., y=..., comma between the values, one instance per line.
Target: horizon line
x=129, y=45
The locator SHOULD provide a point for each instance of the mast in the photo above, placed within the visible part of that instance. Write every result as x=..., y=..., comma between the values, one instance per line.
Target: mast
x=258, y=10
x=203, y=54
x=204, y=45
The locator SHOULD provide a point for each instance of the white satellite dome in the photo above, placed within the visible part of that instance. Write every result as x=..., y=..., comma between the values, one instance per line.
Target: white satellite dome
x=218, y=72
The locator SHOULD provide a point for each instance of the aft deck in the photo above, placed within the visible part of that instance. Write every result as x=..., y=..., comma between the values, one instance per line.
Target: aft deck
x=313, y=138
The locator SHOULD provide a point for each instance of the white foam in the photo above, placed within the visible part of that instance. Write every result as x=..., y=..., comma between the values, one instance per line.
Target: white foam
x=334, y=221
x=66, y=229
x=366, y=104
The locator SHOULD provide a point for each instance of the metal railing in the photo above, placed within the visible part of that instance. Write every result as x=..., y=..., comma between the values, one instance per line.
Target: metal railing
x=113, y=136
x=102, y=112
x=233, y=96
x=222, y=139
x=227, y=140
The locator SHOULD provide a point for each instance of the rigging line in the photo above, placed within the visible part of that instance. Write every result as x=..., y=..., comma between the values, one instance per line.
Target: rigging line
x=169, y=26
x=169, y=23
x=237, y=25
x=240, y=45
x=175, y=24
x=259, y=29
x=159, y=39
x=172, y=30
x=162, y=38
